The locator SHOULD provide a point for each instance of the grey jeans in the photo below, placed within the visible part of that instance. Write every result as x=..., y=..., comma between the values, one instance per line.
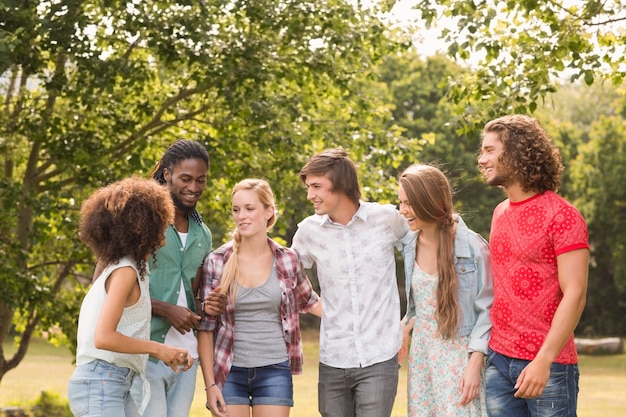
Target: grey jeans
x=358, y=392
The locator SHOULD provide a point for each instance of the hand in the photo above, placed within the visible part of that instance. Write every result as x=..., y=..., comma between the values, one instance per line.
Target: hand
x=470, y=383
x=176, y=358
x=182, y=319
x=404, y=350
x=533, y=379
x=406, y=335
x=215, y=401
x=215, y=303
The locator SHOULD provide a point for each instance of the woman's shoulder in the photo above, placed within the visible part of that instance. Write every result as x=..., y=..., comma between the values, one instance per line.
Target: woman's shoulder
x=280, y=250
x=469, y=238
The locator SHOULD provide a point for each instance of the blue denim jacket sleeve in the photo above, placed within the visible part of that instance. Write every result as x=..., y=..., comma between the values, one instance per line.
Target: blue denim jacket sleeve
x=408, y=254
x=476, y=319
x=475, y=283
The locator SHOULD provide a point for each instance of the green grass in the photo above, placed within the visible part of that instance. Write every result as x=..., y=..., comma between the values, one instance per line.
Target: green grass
x=48, y=368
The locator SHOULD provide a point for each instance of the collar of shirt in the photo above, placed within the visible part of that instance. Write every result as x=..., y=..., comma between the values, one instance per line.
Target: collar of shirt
x=361, y=213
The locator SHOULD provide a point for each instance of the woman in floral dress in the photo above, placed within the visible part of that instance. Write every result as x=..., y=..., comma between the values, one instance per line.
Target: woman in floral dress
x=449, y=295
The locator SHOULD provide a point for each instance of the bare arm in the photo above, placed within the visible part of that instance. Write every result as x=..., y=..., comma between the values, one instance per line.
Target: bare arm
x=214, y=398
x=573, y=271
x=317, y=310
x=123, y=291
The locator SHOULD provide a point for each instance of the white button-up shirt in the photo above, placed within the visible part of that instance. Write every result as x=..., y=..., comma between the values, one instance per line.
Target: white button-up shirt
x=357, y=274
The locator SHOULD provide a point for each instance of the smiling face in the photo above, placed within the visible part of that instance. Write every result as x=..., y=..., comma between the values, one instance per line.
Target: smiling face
x=491, y=150
x=186, y=182
x=319, y=192
x=250, y=215
x=407, y=211
x=414, y=222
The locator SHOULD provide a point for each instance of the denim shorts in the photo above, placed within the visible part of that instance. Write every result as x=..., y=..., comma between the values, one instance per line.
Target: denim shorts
x=99, y=388
x=265, y=385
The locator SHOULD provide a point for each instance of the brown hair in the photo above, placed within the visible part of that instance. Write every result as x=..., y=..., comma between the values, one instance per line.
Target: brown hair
x=430, y=197
x=264, y=191
x=529, y=154
x=338, y=168
x=126, y=218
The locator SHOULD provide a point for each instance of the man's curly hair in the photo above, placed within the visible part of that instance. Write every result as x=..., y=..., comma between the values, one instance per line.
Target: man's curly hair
x=529, y=154
x=126, y=218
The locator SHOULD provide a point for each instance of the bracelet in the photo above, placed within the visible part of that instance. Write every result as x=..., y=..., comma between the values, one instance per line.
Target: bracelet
x=210, y=386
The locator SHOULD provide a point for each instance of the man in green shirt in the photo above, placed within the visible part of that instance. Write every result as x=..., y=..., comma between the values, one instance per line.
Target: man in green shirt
x=173, y=270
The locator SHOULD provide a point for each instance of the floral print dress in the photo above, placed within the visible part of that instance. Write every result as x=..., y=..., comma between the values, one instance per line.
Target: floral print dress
x=436, y=365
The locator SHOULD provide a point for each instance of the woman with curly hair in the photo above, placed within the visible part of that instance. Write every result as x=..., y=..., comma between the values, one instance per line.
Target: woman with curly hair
x=540, y=254
x=449, y=294
x=123, y=224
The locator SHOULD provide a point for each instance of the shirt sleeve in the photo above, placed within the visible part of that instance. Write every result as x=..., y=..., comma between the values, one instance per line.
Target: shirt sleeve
x=479, y=336
x=207, y=283
x=568, y=230
x=399, y=226
x=306, y=297
x=299, y=246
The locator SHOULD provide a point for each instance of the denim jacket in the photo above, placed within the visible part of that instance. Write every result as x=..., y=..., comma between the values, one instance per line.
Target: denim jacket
x=475, y=283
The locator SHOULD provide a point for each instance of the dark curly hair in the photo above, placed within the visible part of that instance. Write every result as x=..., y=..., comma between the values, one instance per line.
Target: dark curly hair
x=126, y=218
x=179, y=151
x=529, y=154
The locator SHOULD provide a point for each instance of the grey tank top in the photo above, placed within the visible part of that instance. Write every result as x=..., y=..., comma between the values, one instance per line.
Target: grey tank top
x=258, y=330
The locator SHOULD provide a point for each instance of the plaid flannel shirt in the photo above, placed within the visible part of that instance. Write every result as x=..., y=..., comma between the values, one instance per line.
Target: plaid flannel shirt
x=297, y=297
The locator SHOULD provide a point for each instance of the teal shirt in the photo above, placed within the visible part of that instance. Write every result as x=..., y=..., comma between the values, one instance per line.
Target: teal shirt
x=173, y=262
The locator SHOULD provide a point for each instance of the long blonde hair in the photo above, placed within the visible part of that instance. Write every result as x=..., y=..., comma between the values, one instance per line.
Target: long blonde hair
x=262, y=188
x=430, y=196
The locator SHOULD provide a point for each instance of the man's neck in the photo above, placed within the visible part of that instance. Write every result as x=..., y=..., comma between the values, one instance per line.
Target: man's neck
x=181, y=221
x=345, y=213
x=516, y=194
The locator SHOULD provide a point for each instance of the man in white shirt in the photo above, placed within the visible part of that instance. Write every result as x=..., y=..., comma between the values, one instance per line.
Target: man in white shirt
x=351, y=242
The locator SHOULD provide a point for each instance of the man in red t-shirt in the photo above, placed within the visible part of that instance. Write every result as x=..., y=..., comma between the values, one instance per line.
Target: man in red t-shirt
x=540, y=253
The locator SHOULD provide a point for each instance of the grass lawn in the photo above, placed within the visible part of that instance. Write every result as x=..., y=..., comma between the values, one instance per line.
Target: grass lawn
x=48, y=368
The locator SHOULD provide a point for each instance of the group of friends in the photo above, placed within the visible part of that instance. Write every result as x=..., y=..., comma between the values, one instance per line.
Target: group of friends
x=488, y=330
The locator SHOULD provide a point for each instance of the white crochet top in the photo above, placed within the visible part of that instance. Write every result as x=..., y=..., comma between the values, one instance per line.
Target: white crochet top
x=134, y=322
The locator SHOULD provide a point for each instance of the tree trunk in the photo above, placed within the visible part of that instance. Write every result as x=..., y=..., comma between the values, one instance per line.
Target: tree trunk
x=608, y=345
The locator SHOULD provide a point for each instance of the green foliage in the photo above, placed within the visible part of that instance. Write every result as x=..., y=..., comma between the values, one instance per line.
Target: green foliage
x=429, y=122
x=599, y=169
x=585, y=124
x=51, y=405
x=94, y=91
x=521, y=49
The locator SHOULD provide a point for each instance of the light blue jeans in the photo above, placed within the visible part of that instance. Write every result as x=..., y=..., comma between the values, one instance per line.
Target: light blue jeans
x=171, y=393
x=559, y=398
x=358, y=392
x=99, y=389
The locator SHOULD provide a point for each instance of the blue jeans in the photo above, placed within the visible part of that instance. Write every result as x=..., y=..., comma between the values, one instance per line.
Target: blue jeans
x=99, y=389
x=171, y=393
x=559, y=399
x=265, y=385
x=358, y=392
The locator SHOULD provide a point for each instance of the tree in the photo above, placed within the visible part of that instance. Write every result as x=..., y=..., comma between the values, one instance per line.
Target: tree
x=522, y=49
x=598, y=172
x=418, y=88
x=93, y=91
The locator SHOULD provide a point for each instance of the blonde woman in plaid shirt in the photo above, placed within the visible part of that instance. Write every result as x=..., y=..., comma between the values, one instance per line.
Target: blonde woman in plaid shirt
x=249, y=353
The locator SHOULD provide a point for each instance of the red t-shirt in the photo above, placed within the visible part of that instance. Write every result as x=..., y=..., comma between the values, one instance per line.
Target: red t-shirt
x=526, y=237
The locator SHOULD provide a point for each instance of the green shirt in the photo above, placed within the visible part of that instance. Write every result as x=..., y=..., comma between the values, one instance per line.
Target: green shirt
x=173, y=262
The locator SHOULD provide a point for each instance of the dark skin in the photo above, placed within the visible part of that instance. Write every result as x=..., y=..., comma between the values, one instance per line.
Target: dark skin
x=183, y=319
x=186, y=182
